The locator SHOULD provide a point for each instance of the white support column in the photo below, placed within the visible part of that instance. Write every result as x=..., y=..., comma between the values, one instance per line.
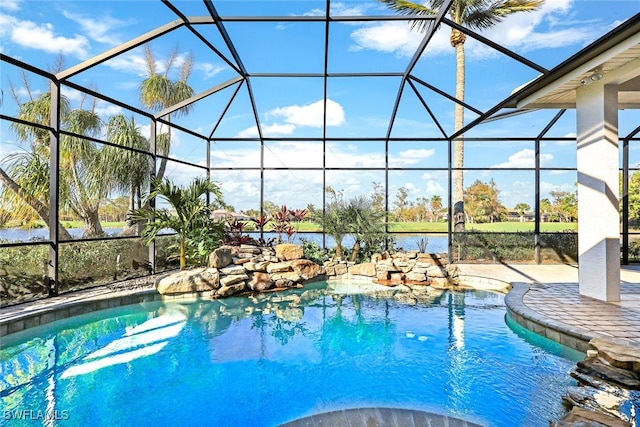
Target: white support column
x=599, y=220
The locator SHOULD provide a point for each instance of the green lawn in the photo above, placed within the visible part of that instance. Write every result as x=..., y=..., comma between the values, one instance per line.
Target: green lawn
x=441, y=227
x=508, y=227
x=411, y=227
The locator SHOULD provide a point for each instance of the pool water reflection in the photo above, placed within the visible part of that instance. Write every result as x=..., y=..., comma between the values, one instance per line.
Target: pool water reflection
x=269, y=359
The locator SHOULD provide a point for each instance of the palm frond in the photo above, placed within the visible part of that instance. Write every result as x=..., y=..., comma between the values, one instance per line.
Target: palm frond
x=405, y=7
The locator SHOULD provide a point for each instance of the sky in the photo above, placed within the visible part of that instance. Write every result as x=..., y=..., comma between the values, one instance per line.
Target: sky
x=37, y=32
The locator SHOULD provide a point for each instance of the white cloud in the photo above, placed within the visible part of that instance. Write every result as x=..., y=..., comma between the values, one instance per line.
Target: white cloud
x=524, y=159
x=12, y=5
x=310, y=114
x=420, y=154
x=293, y=154
x=100, y=30
x=208, y=69
x=433, y=188
x=130, y=62
x=568, y=135
x=411, y=157
x=340, y=156
x=388, y=37
x=519, y=30
x=30, y=35
x=267, y=130
x=547, y=187
x=106, y=109
x=340, y=9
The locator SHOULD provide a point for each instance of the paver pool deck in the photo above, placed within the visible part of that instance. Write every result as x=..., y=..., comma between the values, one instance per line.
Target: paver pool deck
x=549, y=296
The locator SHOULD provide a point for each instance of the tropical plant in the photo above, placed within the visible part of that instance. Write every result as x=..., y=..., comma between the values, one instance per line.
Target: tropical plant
x=422, y=244
x=188, y=216
x=474, y=14
x=334, y=220
x=130, y=169
x=82, y=183
x=158, y=92
x=314, y=252
x=286, y=221
x=365, y=224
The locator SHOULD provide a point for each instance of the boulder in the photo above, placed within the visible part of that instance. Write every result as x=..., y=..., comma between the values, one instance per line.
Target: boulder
x=397, y=277
x=278, y=267
x=620, y=356
x=196, y=280
x=257, y=265
x=435, y=271
x=585, y=418
x=440, y=282
x=306, y=268
x=330, y=270
x=259, y=281
x=382, y=275
x=289, y=251
x=287, y=275
x=232, y=270
x=226, y=291
x=416, y=276
x=341, y=269
x=386, y=265
x=233, y=279
x=366, y=269
x=251, y=249
x=220, y=257
x=600, y=401
x=615, y=375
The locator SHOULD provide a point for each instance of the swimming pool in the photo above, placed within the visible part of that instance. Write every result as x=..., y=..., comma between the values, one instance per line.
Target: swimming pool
x=272, y=358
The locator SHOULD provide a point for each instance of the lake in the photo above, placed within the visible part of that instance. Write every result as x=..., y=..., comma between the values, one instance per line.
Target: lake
x=437, y=242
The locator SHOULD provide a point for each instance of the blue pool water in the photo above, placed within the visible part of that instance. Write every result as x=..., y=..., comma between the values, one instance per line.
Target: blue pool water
x=266, y=360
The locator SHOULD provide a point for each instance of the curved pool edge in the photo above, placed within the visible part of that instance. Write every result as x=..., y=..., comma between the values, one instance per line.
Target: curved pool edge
x=21, y=317
x=18, y=318
x=573, y=337
x=568, y=335
x=364, y=417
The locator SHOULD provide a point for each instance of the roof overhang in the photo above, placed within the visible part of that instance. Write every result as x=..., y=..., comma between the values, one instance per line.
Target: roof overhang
x=613, y=59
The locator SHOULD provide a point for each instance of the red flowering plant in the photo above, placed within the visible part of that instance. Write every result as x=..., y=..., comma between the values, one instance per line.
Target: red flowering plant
x=283, y=219
x=233, y=234
x=260, y=224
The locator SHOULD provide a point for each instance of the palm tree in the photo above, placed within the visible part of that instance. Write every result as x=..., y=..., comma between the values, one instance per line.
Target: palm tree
x=130, y=169
x=334, y=220
x=158, y=92
x=365, y=223
x=27, y=177
x=83, y=178
x=477, y=15
x=24, y=201
x=522, y=208
x=188, y=215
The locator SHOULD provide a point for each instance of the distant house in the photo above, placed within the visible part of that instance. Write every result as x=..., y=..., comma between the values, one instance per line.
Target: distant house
x=229, y=215
x=515, y=216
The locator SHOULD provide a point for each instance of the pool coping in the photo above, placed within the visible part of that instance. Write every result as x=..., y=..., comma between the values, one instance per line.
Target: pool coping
x=18, y=318
x=570, y=336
